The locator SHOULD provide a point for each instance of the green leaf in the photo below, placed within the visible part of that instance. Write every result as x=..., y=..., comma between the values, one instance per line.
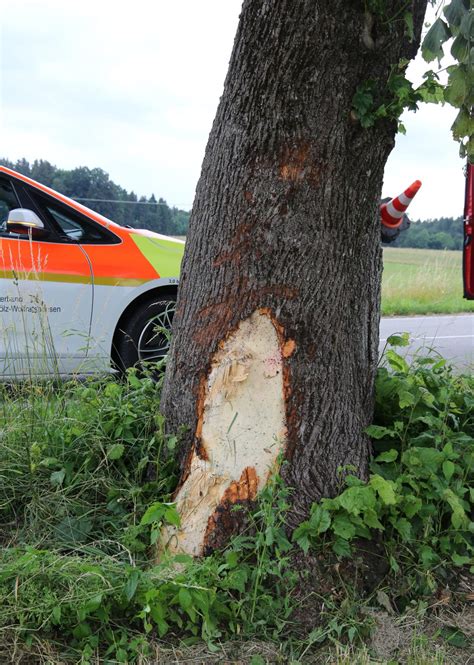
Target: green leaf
x=448, y=469
x=469, y=150
x=408, y=18
x=132, y=584
x=74, y=529
x=432, y=46
x=425, y=460
x=399, y=340
x=301, y=537
x=357, y=499
x=231, y=557
x=363, y=104
x=455, y=12
x=384, y=601
x=411, y=505
x=57, y=477
x=403, y=527
x=394, y=564
x=455, y=637
x=154, y=513
x=185, y=598
x=115, y=451
x=372, y=520
x=121, y=655
x=162, y=626
x=388, y=456
x=459, y=560
x=467, y=26
x=320, y=520
x=172, y=442
x=269, y=536
x=384, y=488
x=93, y=603
x=317, y=635
x=353, y=481
x=405, y=399
x=431, y=91
x=457, y=87
x=460, y=49
x=257, y=660
x=237, y=580
x=430, y=458
x=343, y=527
x=171, y=516
x=463, y=125
x=342, y=548
x=379, y=432
x=428, y=556
x=82, y=630
x=459, y=519
x=396, y=362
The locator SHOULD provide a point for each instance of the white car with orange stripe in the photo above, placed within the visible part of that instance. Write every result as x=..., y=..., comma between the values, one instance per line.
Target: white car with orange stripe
x=78, y=293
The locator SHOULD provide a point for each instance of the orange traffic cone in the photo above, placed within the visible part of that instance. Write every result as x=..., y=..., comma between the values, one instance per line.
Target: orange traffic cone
x=392, y=212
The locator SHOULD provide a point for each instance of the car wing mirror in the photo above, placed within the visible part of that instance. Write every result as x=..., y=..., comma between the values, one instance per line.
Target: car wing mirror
x=26, y=222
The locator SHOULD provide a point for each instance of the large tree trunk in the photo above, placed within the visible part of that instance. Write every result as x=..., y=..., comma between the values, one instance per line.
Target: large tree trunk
x=276, y=331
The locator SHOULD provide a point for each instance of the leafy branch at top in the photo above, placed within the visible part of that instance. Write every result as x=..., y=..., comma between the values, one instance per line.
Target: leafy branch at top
x=400, y=95
x=458, y=26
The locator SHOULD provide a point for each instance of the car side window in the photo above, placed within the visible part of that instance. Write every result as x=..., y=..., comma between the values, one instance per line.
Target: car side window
x=8, y=201
x=74, y=226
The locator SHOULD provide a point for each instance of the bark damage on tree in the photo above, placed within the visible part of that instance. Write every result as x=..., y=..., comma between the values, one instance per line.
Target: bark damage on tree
x=283, y=261
x=240, y=433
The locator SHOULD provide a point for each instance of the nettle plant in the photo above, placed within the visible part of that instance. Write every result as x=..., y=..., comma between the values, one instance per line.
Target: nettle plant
x=418, y=503
x=452, y=29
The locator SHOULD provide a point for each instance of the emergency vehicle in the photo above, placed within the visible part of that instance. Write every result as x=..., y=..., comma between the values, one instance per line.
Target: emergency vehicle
x=78, y=292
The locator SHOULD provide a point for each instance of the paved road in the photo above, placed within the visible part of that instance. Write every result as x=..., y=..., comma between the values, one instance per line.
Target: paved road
x=452, y=336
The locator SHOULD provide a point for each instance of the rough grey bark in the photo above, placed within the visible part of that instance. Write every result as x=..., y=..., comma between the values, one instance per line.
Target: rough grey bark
x=285, y=220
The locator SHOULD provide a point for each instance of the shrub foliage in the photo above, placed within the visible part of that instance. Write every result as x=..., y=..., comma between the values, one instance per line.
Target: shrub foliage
x=87, y=475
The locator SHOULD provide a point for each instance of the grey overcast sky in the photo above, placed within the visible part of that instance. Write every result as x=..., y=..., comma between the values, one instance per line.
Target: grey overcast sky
x=132, y=88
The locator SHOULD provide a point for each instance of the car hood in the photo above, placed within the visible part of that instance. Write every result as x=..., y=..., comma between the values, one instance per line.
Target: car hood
x=156, y=236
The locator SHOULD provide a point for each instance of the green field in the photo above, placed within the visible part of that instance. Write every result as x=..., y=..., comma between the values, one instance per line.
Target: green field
x=422, y=281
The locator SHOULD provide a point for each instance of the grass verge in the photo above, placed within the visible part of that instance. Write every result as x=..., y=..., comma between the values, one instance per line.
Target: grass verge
x=422, y=281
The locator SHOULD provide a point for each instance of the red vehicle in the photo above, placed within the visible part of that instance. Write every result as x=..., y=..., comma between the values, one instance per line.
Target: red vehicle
x=468, y=255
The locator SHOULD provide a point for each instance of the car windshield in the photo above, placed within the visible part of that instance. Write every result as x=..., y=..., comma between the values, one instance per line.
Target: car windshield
x=8, y=201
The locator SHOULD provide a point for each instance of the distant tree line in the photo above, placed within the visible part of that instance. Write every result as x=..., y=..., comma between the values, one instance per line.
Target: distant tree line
x=442, y=233
x=156, y=215
x=105, y=197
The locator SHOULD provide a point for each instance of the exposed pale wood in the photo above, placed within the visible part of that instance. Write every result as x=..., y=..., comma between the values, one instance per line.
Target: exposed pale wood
x=241, y=431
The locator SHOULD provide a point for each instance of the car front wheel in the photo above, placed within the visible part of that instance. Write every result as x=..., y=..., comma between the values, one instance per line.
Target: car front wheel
x=145, y=337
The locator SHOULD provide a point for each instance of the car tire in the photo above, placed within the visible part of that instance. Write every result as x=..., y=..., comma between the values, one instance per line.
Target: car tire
x=144, y=338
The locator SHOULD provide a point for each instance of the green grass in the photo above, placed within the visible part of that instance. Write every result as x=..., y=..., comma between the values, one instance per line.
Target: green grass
x=422, y=281
x=86, y=476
